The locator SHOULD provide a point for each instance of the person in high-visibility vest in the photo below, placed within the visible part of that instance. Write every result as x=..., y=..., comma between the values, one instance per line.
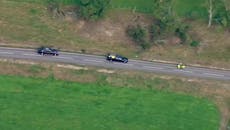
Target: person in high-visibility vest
x=181, y=66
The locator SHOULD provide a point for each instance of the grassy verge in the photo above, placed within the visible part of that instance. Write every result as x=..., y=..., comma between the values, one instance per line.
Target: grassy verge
x=32, y=103
x=191, y=8
x=213, y=90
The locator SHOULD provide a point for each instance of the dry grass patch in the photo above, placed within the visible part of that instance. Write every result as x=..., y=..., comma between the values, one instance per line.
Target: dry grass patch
x=214, y=49
x=71, y=67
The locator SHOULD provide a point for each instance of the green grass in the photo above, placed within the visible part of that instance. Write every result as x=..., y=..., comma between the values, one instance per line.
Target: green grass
x=36, y=69
x=187, y=8
x=182, y=7
x=27, y=22
x=31, y=103
x=139, y=5
x=191, y=8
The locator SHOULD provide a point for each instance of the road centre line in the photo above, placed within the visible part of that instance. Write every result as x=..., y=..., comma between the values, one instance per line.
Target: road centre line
x=213, y=74
x=31, y=54
x=92, y=60
x=6, y=53
x=21, y=49
x=151, y=67
x=129, y=64
x=187, y=71
x=62, y=57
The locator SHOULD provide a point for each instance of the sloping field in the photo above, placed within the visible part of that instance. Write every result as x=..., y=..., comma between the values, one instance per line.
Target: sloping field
x=137, y=5
x=191, y=8
x=29, y=103
x=181, y=7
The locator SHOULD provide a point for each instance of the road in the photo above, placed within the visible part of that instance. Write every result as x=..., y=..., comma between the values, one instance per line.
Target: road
x=99, y=61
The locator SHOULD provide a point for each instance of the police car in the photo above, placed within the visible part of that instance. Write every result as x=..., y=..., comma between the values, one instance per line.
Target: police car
x=117, y=58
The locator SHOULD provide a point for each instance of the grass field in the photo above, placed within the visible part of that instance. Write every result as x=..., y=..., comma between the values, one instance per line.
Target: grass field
x=30, y=103
x=182, y=7
x=191, y=8
x=137, y=5
x=187, y=8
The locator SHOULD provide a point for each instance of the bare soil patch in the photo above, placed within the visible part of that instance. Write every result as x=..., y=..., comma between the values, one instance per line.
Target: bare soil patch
x=112, y=28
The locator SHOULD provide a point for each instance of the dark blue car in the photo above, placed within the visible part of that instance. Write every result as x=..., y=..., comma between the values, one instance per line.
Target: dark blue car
x=48, y=51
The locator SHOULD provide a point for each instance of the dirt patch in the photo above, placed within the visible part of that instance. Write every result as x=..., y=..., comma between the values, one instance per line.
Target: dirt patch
x=111, y=29
x=23, y=67
x=70, y=75
x=72, y=67
x=105, y=71
x=18, y=61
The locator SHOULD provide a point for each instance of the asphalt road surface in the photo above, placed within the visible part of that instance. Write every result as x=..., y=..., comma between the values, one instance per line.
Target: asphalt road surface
x=100, y=61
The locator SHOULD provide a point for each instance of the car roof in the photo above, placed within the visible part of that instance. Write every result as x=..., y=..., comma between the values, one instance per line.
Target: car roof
x=116, y=56
x=111, y=55
x=47, y=48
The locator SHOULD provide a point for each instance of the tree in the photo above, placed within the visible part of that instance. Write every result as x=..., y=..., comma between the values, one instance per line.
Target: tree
x=138, y=35
x=218, y=13
x=162, y=11
x=93, y=9
x=167, y=22
x=157, y=29
x=210, y=11
x=181, y=32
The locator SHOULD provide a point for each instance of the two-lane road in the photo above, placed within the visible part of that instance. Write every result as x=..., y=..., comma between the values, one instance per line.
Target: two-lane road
x=100, y=61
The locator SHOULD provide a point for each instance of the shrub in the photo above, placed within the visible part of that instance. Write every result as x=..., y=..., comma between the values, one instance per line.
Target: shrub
x=181, y=32
x=145, y=45
x=93, y=9
x=83, y=50
x=194, y=43
x=138, y=35
x=155, y=31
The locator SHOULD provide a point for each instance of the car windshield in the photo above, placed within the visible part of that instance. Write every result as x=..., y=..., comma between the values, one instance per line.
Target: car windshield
x=47, y=49
x=119, y=57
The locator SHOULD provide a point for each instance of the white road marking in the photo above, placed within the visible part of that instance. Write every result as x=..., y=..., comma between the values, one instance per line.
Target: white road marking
x=187, y=71
x=129, y=64
x=6, y=53
x=93, y=60
x=151, y=67
x=80, y=54
x=181, y=70
x=22, y=49
x=213, y=74
x=177, y=70
x=61, y=57
x=31, y=55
